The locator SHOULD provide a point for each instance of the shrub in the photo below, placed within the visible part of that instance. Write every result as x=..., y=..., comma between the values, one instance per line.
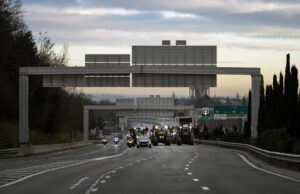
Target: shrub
x=233, y=137
x=275, y=140
x=296, y=146
x=9, y=134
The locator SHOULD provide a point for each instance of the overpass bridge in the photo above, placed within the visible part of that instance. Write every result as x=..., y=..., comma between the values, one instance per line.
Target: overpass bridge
x=150, y=66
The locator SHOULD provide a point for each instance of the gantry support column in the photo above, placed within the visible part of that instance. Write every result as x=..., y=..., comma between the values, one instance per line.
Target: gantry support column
x=255, y=93
x=23, y=109
x=85, y=124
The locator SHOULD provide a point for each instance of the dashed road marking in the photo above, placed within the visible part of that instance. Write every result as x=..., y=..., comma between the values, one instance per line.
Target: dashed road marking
x=186, y=168
x=21, y=174
x=113, y=171
x=190, y=162
x=196, y=180
x=189, y=173
x=78, y=183
x=187, y=165
x=94, y=190
x=205, y=188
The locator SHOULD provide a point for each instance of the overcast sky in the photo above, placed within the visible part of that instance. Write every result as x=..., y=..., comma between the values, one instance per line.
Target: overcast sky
x=248, y=33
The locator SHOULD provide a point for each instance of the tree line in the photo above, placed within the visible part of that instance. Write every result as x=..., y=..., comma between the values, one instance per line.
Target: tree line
x=280, y=102
x=50, y=109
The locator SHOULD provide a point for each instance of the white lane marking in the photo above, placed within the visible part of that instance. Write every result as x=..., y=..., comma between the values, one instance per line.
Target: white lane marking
x=186, y=168
x=95, y=183
x=121, y=167
x=42, y=172
x=78, y=183
x=94, y=190
x=190, y=162
x=205, y=188
x=102, y=181
x=61, y=167
x=266, y=171
x=43, y=165
x=189, y=173
x=196, y=180
x=113, y=171
x=187, y=165
x=138, y=161
x=150, y=157
x=107, y=177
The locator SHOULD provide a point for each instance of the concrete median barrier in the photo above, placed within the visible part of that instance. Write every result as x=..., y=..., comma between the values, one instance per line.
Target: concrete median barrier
x=29, y=149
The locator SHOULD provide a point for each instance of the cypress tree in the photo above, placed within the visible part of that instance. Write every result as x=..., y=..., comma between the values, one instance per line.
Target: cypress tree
x=281, y=101
x=275, y=104
x=298, y=120
x=269, y=103
x=286, y=90
x=261, y=110
x=293, y=100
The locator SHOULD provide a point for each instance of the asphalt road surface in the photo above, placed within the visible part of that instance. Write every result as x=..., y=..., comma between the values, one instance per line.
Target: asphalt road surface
x=161, y=169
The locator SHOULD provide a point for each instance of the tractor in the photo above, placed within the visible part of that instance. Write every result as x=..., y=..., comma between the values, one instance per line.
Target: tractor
x=161, y=134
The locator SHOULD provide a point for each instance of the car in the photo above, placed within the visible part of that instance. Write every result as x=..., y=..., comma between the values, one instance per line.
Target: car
x=143, y=139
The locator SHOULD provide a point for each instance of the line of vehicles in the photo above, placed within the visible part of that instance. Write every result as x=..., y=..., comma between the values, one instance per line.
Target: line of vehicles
x=145, y=137
x=159, y=133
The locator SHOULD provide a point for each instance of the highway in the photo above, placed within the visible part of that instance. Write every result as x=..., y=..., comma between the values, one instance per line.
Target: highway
x=161, y=169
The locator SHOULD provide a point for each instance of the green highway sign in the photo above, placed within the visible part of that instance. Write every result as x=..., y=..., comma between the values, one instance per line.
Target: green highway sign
x=205, y=117
x=230, y=109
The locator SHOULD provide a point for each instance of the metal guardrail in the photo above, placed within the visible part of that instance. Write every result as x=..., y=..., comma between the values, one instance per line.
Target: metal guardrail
x=8, y=153
x=282, y=160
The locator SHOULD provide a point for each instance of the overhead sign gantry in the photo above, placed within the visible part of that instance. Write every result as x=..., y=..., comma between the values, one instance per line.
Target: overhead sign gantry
x=152, y=66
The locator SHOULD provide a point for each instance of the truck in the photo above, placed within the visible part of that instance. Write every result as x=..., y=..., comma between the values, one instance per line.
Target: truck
x=186, y=132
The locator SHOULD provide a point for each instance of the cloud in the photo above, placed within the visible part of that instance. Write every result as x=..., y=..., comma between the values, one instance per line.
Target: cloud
x=79, y=10
x=173, y=14
x=235, y=23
